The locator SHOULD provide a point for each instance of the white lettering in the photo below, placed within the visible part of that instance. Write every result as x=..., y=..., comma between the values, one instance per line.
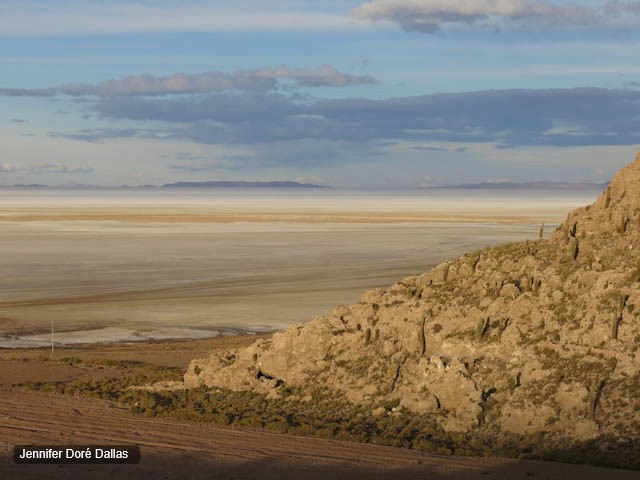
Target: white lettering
x=46, y=453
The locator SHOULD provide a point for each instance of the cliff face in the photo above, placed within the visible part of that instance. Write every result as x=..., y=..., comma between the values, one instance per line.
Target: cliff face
x=538, y=336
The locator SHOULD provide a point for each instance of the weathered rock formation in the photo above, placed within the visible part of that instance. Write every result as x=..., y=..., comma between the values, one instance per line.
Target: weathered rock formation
x=537, y=336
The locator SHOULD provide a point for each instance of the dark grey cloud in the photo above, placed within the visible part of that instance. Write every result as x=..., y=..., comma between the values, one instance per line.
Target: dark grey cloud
x=257, y=80
x=559, y=117
x=18, y=120
x=430, y=16
x=222, y=108
x=421, y=148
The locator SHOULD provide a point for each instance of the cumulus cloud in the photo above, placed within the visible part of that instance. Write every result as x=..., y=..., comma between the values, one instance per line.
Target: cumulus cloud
x=257, y=80
x=42, y=168
x=429, y=16
x=324, y=76
x=173, y=84
x=559, y=117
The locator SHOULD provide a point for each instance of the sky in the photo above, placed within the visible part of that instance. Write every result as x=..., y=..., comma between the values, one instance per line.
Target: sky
x=347, y=93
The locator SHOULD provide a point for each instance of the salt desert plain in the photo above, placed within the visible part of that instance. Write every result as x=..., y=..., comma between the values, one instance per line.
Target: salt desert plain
x=114, y=267
x=122, y=265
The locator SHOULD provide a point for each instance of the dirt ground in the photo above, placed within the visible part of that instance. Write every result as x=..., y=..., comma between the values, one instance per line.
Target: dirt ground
x=173, y=449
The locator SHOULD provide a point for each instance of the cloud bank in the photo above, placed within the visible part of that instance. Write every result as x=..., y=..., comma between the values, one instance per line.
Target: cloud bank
x=257, y=80
x=507, y=118
x=430, y=16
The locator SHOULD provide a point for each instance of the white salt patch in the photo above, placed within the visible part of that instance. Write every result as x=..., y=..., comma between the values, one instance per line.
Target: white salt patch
x=109, y=335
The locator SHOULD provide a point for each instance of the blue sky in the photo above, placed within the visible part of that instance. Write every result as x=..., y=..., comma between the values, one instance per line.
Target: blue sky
x=378, y=93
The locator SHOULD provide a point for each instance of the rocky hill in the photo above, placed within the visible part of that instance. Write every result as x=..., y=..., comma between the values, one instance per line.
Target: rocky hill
x=536, y=341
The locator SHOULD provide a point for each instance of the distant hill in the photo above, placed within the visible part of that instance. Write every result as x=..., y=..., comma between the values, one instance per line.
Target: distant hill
x=241, y=184
x=66, y=186
x=529, y=186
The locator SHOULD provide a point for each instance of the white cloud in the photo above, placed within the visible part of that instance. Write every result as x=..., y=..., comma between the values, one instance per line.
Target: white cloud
x=324, y=76
x=429, y=16
x=259, y=80
x=173, y=84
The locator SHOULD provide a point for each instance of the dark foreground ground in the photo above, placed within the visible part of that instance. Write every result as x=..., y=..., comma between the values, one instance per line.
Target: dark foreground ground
x=175, y=449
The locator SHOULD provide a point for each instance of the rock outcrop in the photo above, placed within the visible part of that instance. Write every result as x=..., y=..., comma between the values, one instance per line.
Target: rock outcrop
x=537, y=337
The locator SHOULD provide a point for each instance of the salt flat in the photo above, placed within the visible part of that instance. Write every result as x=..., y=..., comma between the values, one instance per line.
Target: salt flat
x=122, y=266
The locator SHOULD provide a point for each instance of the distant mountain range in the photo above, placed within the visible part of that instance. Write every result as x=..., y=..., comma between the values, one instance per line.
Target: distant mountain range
x=529, y=186
x=209, y=184
x=241, y=184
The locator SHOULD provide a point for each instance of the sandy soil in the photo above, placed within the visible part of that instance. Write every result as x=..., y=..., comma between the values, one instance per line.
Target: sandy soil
x=179, y=449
